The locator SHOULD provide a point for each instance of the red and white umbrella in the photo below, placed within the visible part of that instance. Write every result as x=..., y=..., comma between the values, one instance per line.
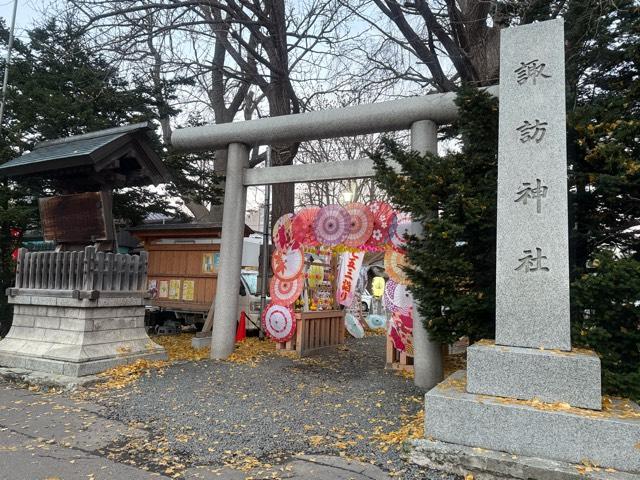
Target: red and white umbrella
x=399, y=229
x=279, y=322
x=401, y=331
x=397, y=298
x=383, y=219
x=287, y=264
x=393, y=263
x=361, y=224
x=285, y=292
x=395, y=337
x=302, y=226
x=332, y=225
x=282, y=233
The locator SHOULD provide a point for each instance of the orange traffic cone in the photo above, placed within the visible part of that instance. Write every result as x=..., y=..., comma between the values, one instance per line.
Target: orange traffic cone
x=241, y=332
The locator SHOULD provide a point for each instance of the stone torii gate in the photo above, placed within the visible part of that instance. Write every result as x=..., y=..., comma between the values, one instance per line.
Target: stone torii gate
x=419, y=114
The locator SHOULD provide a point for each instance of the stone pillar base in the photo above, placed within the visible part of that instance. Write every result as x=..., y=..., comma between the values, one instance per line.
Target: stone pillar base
x=527, y=373
x=76, y=337
x=486, y=464
x=608, y=439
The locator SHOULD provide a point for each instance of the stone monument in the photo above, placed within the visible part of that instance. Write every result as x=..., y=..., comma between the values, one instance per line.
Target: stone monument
x=77, y=314
x=529, y=396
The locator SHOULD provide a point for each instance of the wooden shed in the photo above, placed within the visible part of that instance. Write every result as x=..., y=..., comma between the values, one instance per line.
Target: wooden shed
x=183, y=263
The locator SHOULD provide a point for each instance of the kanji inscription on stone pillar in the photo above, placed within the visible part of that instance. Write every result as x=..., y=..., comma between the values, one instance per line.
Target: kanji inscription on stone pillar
x=532, y=271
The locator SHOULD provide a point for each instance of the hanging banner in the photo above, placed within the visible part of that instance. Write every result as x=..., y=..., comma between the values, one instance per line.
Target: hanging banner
x=350, y=265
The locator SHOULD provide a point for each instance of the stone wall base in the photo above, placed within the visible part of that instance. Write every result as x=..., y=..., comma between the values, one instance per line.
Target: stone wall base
x=608, y=439
x=76, y=337
x=528, y=373
x=494, y=465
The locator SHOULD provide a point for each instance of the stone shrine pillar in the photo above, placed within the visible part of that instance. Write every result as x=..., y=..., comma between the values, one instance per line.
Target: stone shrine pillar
x=528, y=404
x=228, y=286
x=427, y=354
x=532, y=248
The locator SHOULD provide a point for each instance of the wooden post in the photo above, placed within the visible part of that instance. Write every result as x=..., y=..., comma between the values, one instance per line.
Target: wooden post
x=20, y=267
x=60, y=268
x=144, y=261
x=108, y=274
x=116, y=278
x=79, y=269
x=136, y=274
x=38, y=272
x=73, y=258
x=99, y=283
x=53, y=268
x=88, y=270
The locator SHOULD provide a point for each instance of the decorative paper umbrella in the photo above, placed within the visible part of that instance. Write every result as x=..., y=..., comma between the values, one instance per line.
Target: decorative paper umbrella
x=302, y=226
x=285, y=292
x=399, y=230
x=395, y=337
x=376, y=321
x=361, y=224
x=353, y=326
x=404, y=321
x=332, y=225
x=397, y=298
x=279, y=322
x=393, y=263
x=403, y=325
x=287, y=264
x=383, y=218
x=282, y=233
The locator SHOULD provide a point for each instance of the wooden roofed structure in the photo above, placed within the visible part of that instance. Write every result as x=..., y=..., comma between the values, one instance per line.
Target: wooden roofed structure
x=112, y=158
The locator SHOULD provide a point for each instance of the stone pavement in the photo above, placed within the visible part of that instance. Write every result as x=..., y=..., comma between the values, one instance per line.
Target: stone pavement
x=45, y=436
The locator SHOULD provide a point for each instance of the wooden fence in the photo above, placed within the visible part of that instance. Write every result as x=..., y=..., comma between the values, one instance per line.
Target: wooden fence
x=81, y=270
x=316, y=331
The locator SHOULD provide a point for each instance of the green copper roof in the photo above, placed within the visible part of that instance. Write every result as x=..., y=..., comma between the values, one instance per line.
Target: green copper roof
x=88, y=150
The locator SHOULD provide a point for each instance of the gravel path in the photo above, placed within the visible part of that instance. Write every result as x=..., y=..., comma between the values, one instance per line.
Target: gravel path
x=212, y=413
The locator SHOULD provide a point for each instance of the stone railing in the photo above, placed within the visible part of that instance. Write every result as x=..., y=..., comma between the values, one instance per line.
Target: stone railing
x=82, y=273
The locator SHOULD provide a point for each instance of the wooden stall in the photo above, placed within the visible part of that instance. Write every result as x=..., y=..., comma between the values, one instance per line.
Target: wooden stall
x=319, y=324
x=183, y=264
x=397, y=359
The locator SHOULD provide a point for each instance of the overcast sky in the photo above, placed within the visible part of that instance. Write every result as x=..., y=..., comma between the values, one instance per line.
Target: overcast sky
x=24, y=17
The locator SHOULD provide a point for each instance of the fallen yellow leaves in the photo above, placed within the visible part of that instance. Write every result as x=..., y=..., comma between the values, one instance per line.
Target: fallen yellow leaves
x=459, y=384
x=453, y=363
x=611, y=407
x=408, y=374
x=412, y=428
x=123, y=375
x=316, y=440
x=179, y=347
x=239, y=460
x=376, y=332
x=252, y=350
x=587, y=466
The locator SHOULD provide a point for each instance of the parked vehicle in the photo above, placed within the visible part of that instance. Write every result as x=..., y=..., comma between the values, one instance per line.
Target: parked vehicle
x=366, y=298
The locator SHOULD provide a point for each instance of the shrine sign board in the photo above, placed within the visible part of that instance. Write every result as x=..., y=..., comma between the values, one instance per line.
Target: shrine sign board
x=81, y=218
x=532, y=271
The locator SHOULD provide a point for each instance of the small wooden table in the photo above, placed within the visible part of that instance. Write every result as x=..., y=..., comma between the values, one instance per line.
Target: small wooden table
x=316, y=331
